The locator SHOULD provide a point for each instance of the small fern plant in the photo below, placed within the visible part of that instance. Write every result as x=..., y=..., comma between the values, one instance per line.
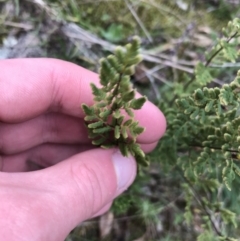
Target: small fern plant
x=110, y=120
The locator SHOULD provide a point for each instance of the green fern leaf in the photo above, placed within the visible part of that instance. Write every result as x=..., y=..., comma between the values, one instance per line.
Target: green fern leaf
x=124, y=149
x=102, y=130
x=137, y=104
x=128, y=96
x=95, y=124
x=229, y=51
x=202, y=73
x=88, y=110
x=117, y=132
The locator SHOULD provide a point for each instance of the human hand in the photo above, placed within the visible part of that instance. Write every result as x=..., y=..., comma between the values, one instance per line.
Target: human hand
x=42, y=129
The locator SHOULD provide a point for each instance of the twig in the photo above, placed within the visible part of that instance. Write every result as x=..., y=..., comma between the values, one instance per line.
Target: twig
x=153, y=73
x=161, y=8
x=225, y=65
x=185, y=87
x=72, y=30
x=220, y=49
x=154, y=87
x=96, y=1
x=210, y=60
x=150, y=58
x=215, y=148
x=53, y=13
x=18, y=25
x=161, y=79
x=191, y=63
x=133, y=12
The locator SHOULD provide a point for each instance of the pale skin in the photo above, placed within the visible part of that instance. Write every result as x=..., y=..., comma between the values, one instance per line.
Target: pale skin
x=51, y=178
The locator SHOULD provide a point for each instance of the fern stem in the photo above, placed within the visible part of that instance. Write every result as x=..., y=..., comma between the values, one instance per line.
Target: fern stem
x=215, y=148
x=219, y=50
x=185, y=87
x=210, y=60
x=200, y=201
x=116, y=90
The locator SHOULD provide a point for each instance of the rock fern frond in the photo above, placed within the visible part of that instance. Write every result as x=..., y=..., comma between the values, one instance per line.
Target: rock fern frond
x=110, y=120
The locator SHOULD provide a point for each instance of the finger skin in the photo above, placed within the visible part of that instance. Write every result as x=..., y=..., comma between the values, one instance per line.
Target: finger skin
x=103, y=210
x=40, y=157
x=47, y=128
x=31, y=87
x=67, y=193
x=46, y=155
x=54, y=128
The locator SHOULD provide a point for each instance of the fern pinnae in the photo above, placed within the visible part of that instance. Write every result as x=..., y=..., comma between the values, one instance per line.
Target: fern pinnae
x=115, y=97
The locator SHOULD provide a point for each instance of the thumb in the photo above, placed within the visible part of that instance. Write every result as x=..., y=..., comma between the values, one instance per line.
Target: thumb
x=49, y=203
x=92, y=179
x=85, y=183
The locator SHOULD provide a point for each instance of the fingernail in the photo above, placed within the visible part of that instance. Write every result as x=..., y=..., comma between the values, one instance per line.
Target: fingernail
x=125, y=168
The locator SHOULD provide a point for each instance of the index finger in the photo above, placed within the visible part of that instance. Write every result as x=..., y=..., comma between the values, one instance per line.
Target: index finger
x=31, y=87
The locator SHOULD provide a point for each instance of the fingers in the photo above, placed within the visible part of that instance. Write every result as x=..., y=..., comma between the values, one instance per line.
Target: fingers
x=46, y=155
x=154, y=122
x=48, y=128
x=68, y=193
x=39, y=157
x=149, y=147
x=30, y=87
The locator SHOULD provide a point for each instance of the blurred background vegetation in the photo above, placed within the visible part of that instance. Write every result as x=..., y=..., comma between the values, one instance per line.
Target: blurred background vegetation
x=175, y=34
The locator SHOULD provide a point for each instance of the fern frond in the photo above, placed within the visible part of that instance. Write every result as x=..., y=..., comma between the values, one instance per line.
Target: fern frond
x=115, y=97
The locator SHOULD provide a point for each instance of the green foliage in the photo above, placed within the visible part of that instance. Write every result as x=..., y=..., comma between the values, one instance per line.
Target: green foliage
x=110, y=120
x=202, y=73
x=123, y=203
x=210, y=115
x=115, y=32
x=207, y=236
x=203, y=136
